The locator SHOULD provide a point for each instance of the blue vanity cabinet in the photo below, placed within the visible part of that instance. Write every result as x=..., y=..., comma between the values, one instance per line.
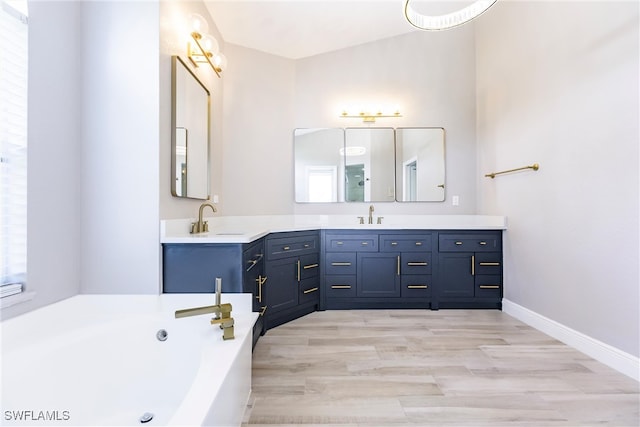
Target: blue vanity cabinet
x=193, y=268
x=293, y=270
x=377, y=269
x=470, y=269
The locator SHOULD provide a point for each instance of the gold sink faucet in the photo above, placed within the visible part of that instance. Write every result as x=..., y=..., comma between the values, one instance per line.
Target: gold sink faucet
x=371, y=214
x=222, y=313
x=202, y=226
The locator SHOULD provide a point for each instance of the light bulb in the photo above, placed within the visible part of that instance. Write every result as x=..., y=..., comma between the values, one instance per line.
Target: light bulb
x=198, y=24
x=220, y=62
x=209, y=44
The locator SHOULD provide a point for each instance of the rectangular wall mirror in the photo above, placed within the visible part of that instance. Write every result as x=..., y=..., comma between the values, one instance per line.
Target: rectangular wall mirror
x=190, y=132
x=319, y=165
x=369, y=165
x=420, y=164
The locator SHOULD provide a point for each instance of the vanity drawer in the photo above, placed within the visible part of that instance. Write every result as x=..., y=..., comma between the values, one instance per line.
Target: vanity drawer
x=416, y=286
x=309, y=290
x=340, y=286
x=488, y=286
x=309, y=266
x=415, y=263
x=340, y=263
x=351, y=243
x=488, y=263
x=284, y=247
x=489, y=242
x=405, y=243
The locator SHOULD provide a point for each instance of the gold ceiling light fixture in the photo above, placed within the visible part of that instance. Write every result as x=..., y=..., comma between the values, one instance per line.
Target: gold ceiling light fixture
x=446, y=21
x=205, y=48
x=369, y=115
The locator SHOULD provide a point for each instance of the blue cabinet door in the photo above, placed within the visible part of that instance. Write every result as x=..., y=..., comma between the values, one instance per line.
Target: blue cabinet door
x=281, y=289
x=456, y=275
x=378, y=275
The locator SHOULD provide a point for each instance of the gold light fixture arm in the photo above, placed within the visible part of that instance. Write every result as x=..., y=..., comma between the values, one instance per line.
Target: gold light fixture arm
x=207, y=55
x=534, y=166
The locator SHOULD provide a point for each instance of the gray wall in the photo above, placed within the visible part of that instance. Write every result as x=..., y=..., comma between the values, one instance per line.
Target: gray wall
x=566, y=97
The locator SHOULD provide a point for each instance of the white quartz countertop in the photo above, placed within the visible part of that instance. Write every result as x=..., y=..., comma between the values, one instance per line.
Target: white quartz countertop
x=246, y=229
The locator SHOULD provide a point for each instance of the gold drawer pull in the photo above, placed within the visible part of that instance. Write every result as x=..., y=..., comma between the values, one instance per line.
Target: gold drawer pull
x=306, y=245
x=340, y=286
x=483, y=243
x=339, y=243
x=413, y=264
x=264, y=308
x=489, y=286
x=490, y=263
x=364, y=243
x=394, y=243
x=341, y=264
x=308, y=291
x=309, y=266
x=417, y=286
x=286, y=248
x=418, y=243
x=458, y=243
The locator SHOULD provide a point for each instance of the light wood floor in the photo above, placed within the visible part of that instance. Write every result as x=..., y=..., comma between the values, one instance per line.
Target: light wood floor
x=430, y=368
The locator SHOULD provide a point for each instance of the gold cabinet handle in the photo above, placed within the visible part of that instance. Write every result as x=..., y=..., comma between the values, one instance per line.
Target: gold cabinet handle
x=260, y=282
x=417, y=286
x=414, y=264
x=473, y=265
x=339, y=243
x=490, y=263
x=418, y=243
x=483, y=243
x=341, y=264
x=298, y=265
x=286, y=248
x=394, y=243
x=340, y=286
x=264, y=308
x=306, y=267
x=306, y=245
x=398, y=265
x=308, y=291
x=364, y=243
x=458, y=243
x=489, y=286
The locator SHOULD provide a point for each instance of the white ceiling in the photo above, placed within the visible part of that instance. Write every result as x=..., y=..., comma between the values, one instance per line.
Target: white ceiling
x=300, y=28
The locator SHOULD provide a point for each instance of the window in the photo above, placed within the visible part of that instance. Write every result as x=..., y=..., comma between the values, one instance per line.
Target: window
x=13, y=146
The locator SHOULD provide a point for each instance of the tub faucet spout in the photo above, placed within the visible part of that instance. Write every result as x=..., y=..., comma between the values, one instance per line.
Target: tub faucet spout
x=202, y=226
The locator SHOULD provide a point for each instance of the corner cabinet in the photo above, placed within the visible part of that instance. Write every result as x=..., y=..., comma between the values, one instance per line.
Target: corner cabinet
x=193, y=268
x=293, y=268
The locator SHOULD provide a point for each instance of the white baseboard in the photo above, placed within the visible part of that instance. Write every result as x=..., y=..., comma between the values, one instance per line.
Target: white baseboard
x=615, y=358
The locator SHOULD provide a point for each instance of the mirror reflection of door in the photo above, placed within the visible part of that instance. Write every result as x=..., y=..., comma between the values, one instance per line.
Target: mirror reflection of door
x=355, y=182
x=321, y=183
x=410, y=180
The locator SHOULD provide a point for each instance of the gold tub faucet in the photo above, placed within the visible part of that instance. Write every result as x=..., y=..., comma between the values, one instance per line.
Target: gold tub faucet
x=222, y=313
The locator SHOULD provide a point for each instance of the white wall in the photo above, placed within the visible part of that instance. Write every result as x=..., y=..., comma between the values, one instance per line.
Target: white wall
x=557, y=84
x=258, y=125
x=53, y=246
x=119, y=157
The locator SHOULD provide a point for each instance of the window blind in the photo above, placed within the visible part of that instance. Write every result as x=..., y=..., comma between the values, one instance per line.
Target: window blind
x=13, y=147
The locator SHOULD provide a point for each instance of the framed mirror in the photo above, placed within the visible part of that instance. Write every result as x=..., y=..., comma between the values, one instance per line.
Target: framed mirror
x=319, y=165
x=369, y=164
x=420, y=164
x=190, y=104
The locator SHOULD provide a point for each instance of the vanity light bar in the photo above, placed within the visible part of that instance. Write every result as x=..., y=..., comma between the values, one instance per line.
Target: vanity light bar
x=368, y=117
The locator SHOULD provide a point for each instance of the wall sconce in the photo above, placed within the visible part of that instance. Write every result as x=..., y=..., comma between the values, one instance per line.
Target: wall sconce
x=449, y=20
x=206, y=48
x=368, y=116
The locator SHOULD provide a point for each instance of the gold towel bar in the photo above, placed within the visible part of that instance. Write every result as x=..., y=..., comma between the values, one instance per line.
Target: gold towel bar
x=534, y=166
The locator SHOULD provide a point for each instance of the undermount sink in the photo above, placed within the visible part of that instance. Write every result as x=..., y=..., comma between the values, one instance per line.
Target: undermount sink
x=229, y=234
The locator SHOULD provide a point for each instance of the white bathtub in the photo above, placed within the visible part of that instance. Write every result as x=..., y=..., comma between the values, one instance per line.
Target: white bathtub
x=94, y=360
